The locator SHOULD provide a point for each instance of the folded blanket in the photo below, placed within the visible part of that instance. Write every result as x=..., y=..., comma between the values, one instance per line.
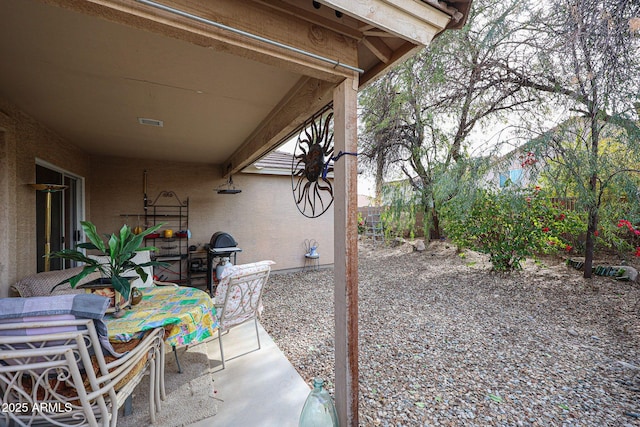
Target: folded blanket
x=85, y=306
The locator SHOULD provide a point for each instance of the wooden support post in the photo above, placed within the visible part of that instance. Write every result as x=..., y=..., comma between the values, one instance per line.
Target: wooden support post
x=346, y=252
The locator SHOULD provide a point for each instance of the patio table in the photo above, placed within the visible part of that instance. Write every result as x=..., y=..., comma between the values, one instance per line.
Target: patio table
x=187, y=315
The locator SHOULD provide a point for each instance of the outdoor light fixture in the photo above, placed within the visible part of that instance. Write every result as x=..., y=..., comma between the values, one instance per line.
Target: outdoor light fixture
x=48, y=189
x=228, y=188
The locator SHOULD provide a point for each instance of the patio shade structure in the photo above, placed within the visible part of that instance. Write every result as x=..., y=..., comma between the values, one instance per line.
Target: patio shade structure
x=212, y=85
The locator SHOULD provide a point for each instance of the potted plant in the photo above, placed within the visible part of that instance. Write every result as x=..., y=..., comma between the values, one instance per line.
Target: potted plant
x=115, y=257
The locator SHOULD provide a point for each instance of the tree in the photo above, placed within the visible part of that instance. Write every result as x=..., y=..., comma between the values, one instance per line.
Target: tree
x=567, y=148
x=418, y=118
x=585, y=59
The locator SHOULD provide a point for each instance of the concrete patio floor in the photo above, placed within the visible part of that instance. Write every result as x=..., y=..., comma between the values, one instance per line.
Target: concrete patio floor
x=257, y=387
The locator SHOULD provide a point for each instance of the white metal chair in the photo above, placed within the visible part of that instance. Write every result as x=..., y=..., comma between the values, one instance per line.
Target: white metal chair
x=53, y=372
x=311, y=256
x=238, y=297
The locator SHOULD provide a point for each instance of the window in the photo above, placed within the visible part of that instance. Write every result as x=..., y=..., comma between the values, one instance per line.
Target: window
x=503, y=180
x=515, y=176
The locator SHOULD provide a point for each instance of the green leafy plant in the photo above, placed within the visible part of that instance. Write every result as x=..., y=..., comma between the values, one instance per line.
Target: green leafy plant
x=497, y=224
x=510, y=225
x=118, y=252
x=564, y=228
x=362, y=224
x=399, y=217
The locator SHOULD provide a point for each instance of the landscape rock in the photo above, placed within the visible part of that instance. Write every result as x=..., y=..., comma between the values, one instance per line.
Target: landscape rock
x=419, y=246
x=629, y=274
x=398, y=241
x=443, y=342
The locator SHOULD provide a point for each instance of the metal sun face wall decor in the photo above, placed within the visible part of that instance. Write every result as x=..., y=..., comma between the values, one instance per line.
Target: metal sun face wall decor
x=312, y=190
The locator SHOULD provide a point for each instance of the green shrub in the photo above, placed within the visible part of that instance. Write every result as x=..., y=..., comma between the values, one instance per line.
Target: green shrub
x=362, y=225
x=399, y=217
x=510, y=225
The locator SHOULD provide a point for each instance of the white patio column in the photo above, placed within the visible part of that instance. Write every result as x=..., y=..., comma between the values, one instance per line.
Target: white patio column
x=346, y=252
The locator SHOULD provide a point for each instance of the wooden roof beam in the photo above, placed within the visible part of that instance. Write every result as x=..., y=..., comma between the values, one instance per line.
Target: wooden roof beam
x=413, y=21
x=313, y=18
x=306, y=98
x=232, y=14
x=378, y=33
x=378, y=48
x=401, y=54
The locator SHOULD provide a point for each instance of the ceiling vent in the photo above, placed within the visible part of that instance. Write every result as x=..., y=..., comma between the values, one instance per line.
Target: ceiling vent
x=150, y=122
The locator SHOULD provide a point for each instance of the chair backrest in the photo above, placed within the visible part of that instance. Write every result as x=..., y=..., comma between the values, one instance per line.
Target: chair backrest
x=57, y=366
x=309, y=244
x=239, y=294
x=41, y=309
x=40, y=284
x=46, y=374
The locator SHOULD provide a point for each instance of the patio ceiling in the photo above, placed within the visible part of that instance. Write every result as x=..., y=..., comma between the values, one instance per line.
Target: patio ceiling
x=89, y=70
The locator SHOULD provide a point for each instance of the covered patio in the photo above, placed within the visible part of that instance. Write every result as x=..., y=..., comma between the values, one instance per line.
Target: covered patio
x=121, y=100
x=257, y=387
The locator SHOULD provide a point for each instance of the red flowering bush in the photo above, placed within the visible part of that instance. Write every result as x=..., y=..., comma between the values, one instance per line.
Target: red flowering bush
x=528, y=160
x=510, y=225
x=563, y=228
x=632, y=229
x=626, y=223
x=362, y=225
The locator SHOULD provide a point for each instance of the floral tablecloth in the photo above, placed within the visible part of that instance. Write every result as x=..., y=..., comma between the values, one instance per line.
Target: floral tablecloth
x=186, y=313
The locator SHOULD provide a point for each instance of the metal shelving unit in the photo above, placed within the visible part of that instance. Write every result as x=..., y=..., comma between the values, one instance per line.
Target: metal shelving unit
x=172, y=240
x=198, y=269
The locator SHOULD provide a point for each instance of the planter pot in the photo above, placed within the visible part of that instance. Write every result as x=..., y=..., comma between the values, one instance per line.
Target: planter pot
x=104, y=288
x=136, y=296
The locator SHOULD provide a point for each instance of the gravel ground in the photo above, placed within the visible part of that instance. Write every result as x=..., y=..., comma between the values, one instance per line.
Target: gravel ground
x=445, y=342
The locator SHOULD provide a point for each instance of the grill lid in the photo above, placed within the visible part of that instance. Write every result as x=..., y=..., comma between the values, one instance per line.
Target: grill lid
x=221, y=239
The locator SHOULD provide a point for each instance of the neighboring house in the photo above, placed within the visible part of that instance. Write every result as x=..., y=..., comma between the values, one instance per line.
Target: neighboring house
x=95, y=93
x=513, y=168
x=516, y=166
x=365, y=201
x=398, y=189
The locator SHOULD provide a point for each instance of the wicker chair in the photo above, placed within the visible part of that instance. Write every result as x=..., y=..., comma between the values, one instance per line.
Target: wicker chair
x=54, y=371
x=238, y=297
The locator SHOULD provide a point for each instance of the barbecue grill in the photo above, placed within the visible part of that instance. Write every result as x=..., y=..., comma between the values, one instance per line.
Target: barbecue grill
x=221, y=245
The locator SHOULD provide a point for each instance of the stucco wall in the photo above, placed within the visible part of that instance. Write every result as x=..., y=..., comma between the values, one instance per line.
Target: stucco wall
x=7, y=210
x=262, y=218
x=23, y=141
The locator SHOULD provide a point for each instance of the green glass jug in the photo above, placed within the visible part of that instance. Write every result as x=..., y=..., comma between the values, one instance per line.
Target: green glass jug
x=318, y=409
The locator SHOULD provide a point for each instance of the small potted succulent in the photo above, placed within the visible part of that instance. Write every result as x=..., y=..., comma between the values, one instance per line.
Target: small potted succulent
x=114, y=258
